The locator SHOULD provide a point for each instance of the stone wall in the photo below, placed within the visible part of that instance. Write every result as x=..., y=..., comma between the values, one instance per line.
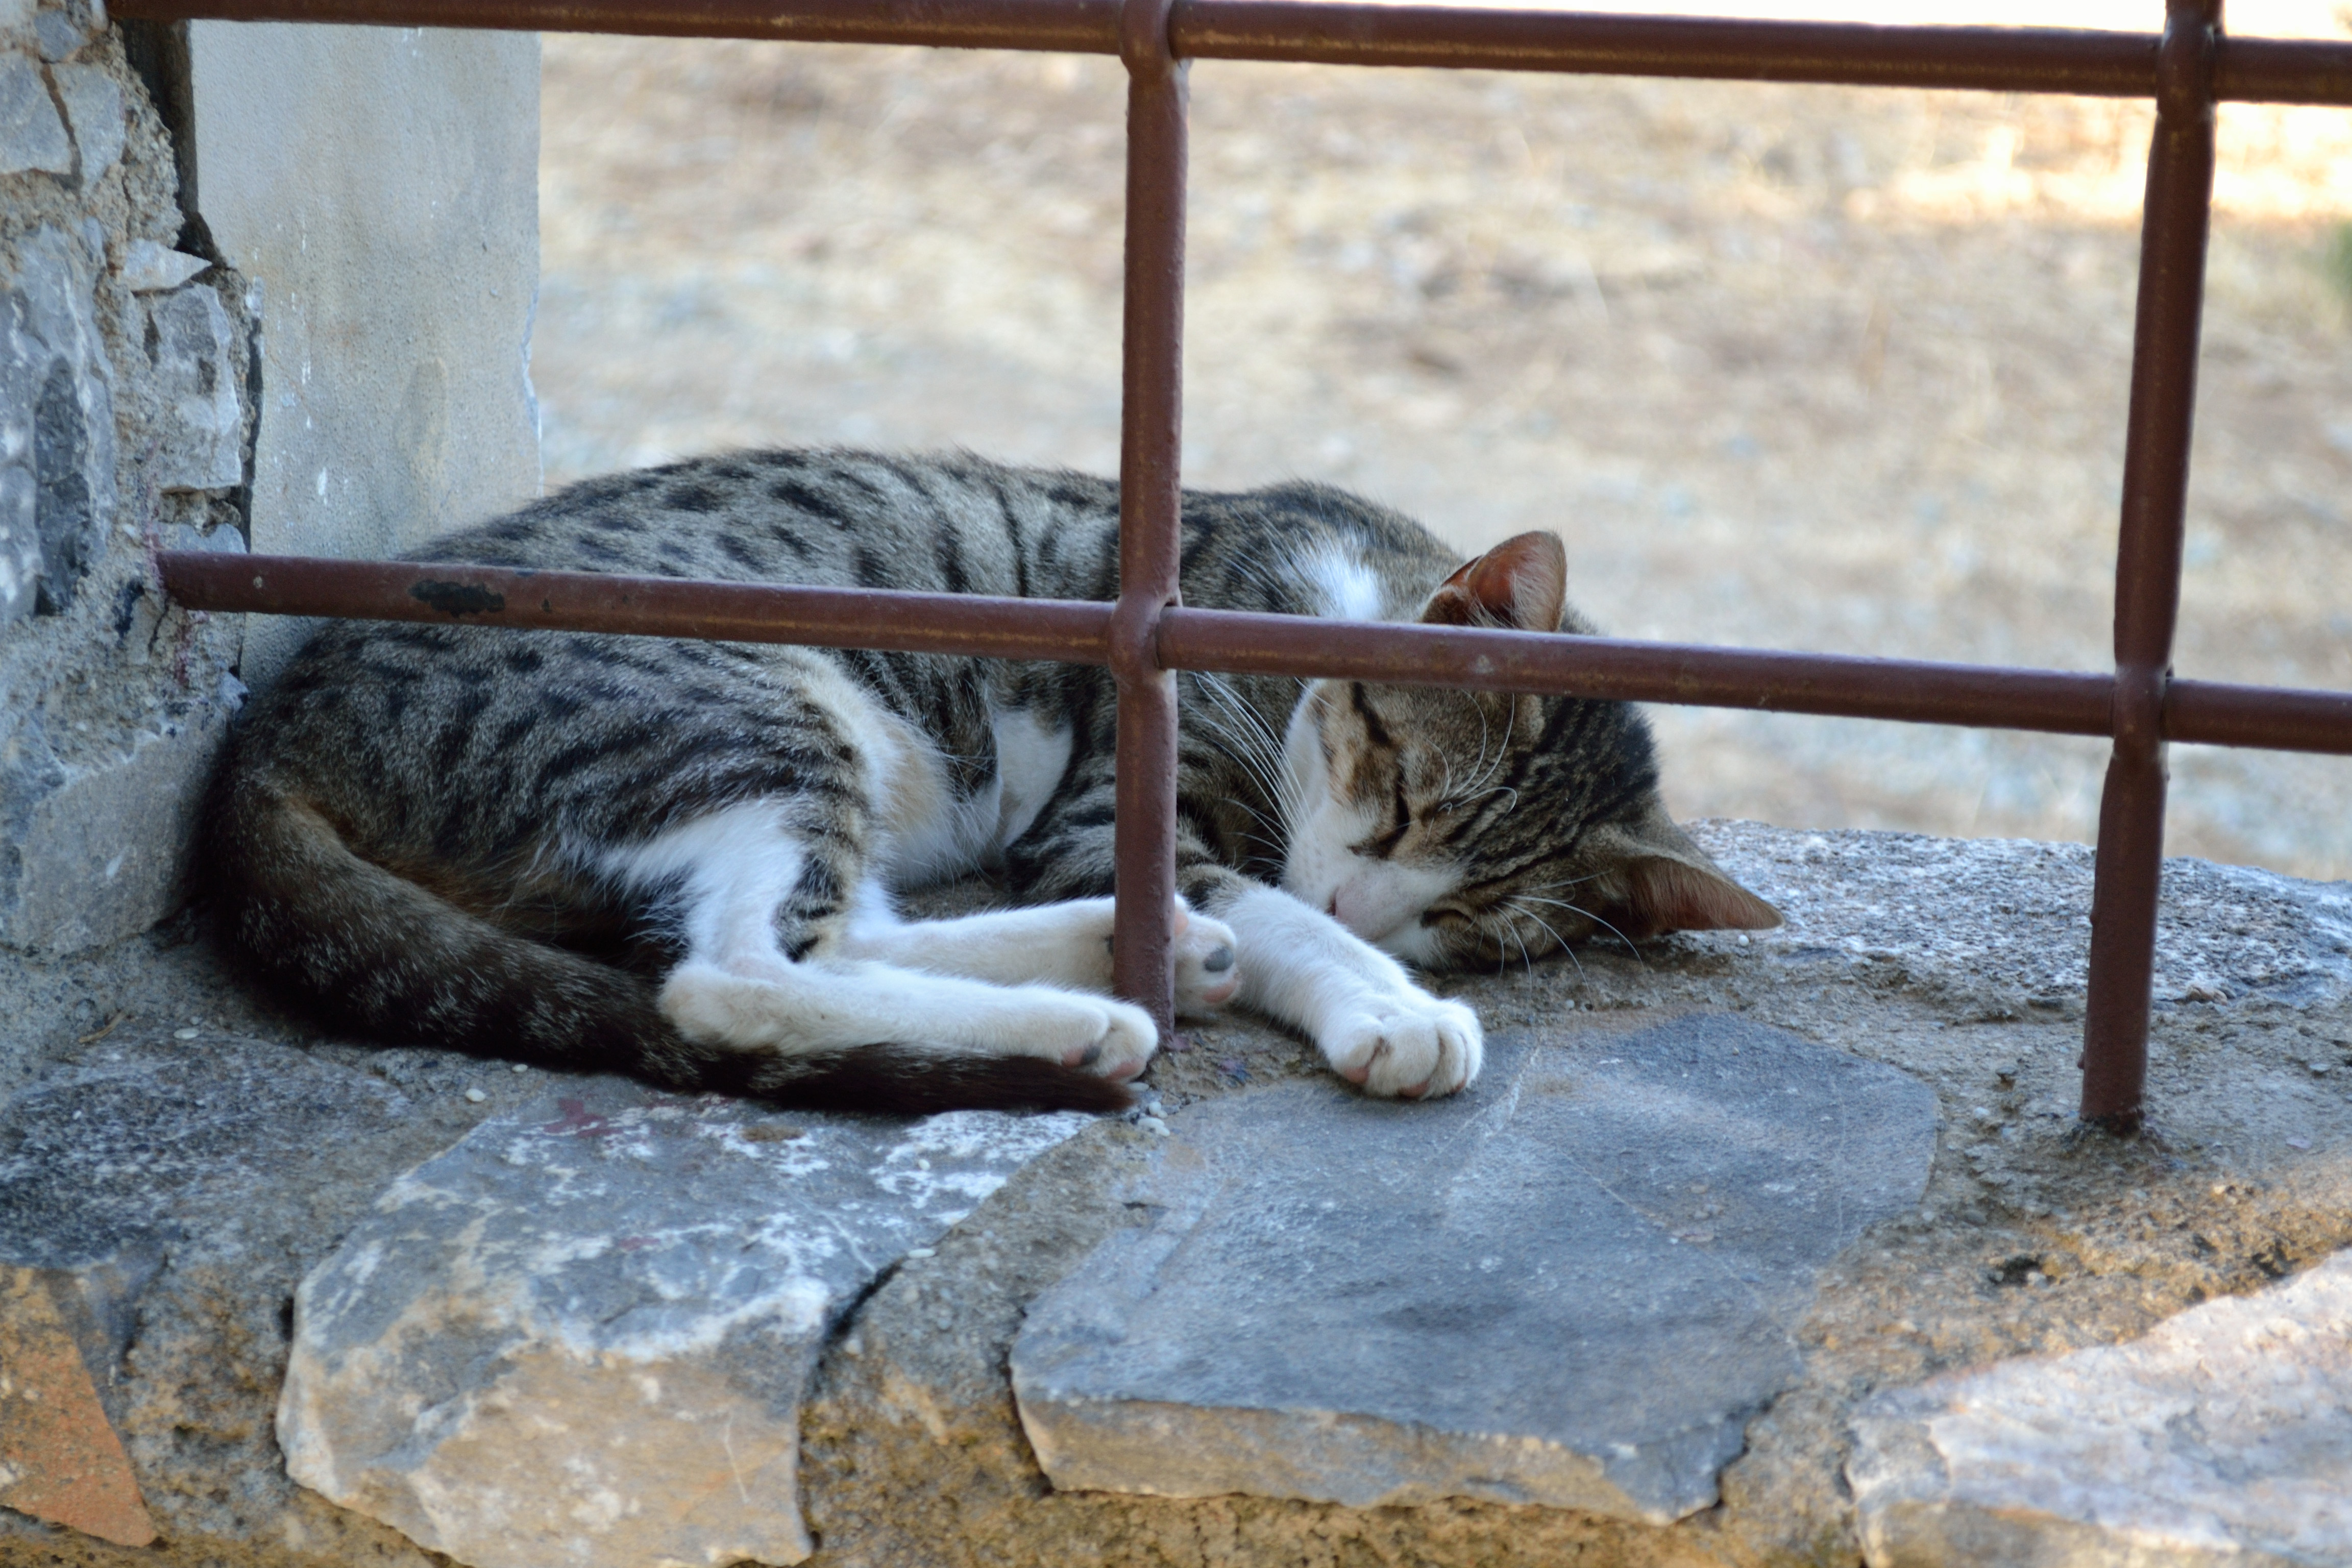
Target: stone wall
x=126, y=418
x=266, y=287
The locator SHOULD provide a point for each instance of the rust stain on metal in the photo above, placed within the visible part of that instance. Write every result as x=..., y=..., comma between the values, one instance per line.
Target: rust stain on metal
x=458, y=598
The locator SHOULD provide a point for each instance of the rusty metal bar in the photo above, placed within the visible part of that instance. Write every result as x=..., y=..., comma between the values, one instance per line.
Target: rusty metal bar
x=1150, y=501
x=2017, y=59
x=1350, y=32
x=1076, y=632
x=2281, y=71
x=1072, y=27
x=2147, y=567
x=2053, y=701
x=2214, y=713
x=1241, y=643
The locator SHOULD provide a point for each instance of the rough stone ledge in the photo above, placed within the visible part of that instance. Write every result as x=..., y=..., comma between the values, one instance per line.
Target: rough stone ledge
x=233, y=1163
x=2224, y=1434
x=581, y=1336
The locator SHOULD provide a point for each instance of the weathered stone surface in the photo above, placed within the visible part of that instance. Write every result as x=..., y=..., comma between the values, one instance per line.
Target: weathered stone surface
x=581, y=1336
x=149, y=268
x=31, y=134
x=197, y=367
x=95, y=842
x=20, y=536
x=173, y=1192
x=2224, y=1434
x=2009, y=920
x=57, y=407
x=1572, y=1286
x=59, y=1458
x=61, y=30
x=226, y=1169
x=93, y=102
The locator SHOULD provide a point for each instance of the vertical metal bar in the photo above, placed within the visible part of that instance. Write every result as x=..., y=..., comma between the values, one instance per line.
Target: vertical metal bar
x=2147, y=564
x=1149, y=500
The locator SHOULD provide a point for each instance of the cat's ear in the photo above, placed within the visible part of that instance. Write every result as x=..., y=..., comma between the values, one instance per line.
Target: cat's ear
x=1666, y=894
x=1521, y=584
x=1663, y=882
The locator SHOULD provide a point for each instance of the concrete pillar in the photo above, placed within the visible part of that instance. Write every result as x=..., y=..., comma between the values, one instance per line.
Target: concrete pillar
x=379, y=188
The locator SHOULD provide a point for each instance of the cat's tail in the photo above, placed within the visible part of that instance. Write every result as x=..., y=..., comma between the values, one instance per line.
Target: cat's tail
x=367, y=950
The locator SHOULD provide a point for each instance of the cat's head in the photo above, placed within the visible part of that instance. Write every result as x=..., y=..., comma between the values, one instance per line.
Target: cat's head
x=1459, y=828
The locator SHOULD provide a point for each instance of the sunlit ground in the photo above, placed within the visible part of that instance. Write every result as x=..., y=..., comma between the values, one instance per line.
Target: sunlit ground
x=1786, y=366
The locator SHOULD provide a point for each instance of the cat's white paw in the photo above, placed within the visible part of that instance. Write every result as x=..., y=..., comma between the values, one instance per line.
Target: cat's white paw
x=1116, y=1039
x=710, y=1006
x=1407, y=1045
x=1208, y=969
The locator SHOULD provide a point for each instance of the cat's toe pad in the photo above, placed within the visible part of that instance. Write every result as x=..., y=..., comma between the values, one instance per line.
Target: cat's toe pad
x=1208, y=970
x=1407, y=1047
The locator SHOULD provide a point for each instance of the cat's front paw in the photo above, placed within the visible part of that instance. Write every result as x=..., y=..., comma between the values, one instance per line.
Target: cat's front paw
x=1208, y=970
x=1405, y=1045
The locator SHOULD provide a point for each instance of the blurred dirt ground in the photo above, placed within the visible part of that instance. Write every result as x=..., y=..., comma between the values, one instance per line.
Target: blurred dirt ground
x=1787, y=367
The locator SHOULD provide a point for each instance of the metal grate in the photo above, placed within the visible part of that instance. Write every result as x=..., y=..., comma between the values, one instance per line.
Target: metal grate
x=1147, y=634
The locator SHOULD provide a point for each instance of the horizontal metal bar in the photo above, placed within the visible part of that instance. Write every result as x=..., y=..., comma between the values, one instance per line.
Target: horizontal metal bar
x=1909, y=689
x=1366, y=32
x=2283, y=70
x=2021, y=59
x=1072, y=631
x=2218, y=713
x=1077, y=631
x=1072, y=27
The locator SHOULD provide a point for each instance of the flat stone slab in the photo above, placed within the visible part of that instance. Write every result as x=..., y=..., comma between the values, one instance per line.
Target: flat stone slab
x=1572, y=1285
x=580, y=1337
x=2224, y=1434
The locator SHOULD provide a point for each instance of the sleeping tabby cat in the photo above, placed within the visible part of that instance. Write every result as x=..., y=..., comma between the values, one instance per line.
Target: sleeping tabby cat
x=676, y=859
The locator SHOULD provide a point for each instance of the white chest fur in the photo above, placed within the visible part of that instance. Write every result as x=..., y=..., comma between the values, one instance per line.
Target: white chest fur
x=934, y=835
x=1031, y=759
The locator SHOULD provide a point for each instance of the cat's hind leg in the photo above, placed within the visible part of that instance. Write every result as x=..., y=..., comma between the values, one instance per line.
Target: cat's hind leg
x=761, y=911
x=1064, y=945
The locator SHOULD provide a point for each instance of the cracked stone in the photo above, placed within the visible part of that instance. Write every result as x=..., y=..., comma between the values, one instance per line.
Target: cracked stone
x=57, y=415
x=200, y=444
x=1604, y=1256
x=582, y=1335
x=149, y=268
x=93, y=102
x=2225, y=1434
x=31, y=134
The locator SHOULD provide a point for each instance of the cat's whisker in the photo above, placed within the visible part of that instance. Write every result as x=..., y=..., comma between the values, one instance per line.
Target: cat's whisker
x=1631, y=946
x=1260, y=753
x=1588, y=914
x=1501, y=752
x=1556, y=937
x=1246, y=752
x=1527, y=959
